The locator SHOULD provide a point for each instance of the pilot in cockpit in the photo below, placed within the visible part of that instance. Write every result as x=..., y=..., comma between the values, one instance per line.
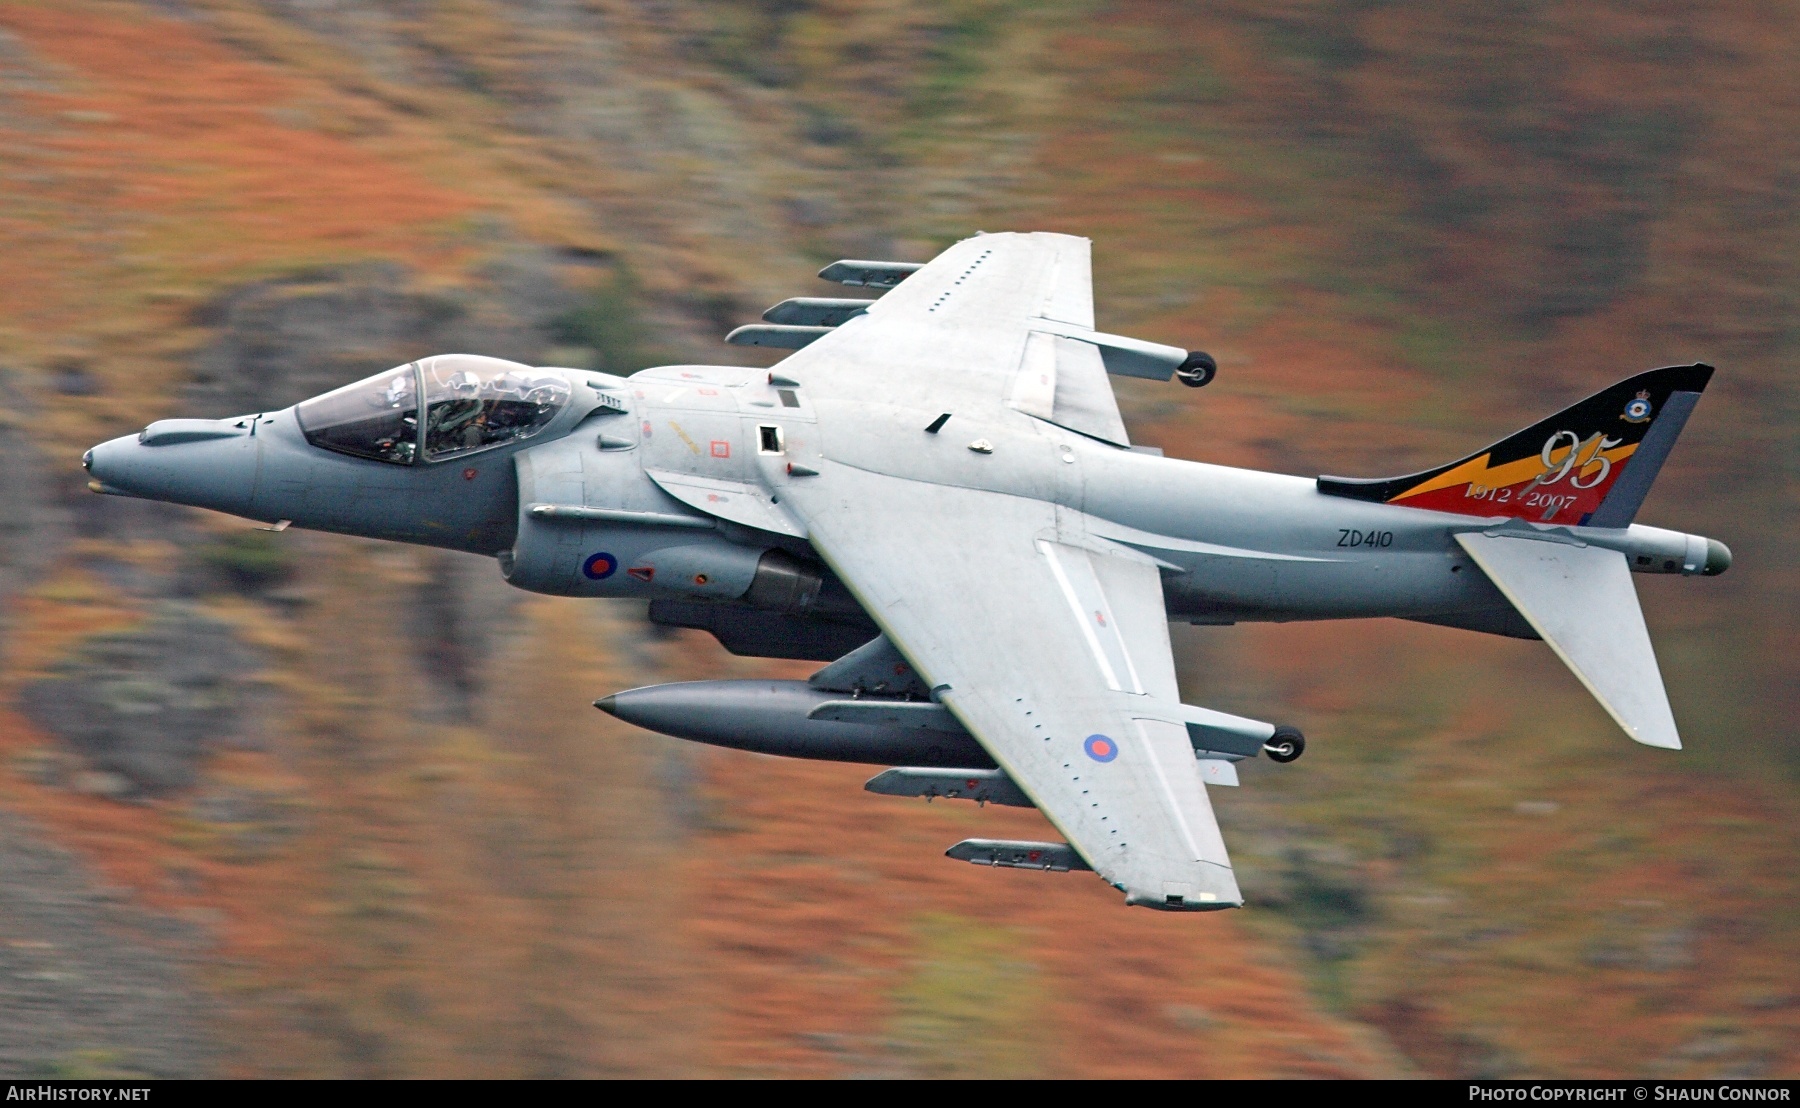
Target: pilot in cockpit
x=471, y=403
x=475, y=431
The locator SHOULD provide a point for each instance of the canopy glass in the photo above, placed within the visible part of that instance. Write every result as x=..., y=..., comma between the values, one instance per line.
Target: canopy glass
x=471, y=403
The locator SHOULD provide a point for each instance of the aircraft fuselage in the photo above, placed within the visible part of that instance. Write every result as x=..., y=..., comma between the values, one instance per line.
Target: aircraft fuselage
x=1235, y=544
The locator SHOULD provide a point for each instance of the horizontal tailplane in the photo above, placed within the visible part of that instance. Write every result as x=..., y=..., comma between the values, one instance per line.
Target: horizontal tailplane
x=1581, y=600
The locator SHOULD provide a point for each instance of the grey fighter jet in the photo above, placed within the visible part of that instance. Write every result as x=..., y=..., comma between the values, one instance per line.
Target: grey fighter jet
x=935, y=493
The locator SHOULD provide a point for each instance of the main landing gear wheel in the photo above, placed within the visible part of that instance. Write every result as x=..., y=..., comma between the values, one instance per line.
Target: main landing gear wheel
x=1286, y=744
x=1199, y=369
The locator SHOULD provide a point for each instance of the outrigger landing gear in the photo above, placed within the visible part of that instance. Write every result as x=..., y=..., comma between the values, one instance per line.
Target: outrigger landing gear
x=1286, y=744
x=1199, y=369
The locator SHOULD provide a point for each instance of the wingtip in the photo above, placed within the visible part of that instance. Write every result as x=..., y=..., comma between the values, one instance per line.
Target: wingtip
x=1662, y=738
x=1184, y=904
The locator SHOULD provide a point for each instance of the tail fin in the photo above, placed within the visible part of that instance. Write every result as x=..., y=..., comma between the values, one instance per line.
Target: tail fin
x=1590, y=464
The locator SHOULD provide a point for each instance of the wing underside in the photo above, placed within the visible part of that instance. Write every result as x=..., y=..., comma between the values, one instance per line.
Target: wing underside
x=1050, y=645
x=1052, y=648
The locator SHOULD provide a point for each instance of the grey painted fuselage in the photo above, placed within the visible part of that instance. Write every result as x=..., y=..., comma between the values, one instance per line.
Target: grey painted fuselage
x=1236, y=544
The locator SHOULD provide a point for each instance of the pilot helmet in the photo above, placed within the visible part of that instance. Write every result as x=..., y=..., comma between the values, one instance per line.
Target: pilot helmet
x=399, y=390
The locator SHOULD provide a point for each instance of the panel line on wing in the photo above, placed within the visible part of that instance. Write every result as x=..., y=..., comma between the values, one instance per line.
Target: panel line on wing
x=1168, y=789
x=1034, y=387
x=1118, y=639
x=1099, y=628
x=1074, y=602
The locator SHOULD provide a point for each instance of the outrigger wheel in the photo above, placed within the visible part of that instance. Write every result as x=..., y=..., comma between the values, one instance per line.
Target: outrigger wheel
x=1286, y=744
x=1199, y=369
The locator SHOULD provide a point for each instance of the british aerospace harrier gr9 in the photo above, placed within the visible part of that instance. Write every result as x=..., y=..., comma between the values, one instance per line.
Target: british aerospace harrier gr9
x=935, y=494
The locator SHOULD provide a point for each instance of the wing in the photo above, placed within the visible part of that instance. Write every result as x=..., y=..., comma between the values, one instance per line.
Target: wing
x=1052, y=648
x=987, y=322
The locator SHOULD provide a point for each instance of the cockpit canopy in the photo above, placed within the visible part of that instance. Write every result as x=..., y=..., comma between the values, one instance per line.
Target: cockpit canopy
x=471, y=403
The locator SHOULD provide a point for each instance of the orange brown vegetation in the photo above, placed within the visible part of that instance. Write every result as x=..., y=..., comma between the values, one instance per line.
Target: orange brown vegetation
x=811, y=946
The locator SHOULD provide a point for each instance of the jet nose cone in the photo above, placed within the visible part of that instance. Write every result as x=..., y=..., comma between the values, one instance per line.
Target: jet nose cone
x=609, y=705
x=205, y=463
x=110, y=466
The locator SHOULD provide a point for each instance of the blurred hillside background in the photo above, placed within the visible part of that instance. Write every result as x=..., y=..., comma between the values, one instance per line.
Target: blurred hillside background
x=297, y=804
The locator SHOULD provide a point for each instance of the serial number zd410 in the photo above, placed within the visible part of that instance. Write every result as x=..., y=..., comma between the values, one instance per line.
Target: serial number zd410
x=1349, y=537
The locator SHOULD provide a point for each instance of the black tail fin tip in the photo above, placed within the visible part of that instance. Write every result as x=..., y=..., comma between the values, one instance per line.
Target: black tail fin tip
x=1589, y=464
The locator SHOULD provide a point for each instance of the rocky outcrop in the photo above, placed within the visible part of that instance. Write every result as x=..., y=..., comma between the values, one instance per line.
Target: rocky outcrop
x=145, y=704
x=34, y=526
x=90, y=987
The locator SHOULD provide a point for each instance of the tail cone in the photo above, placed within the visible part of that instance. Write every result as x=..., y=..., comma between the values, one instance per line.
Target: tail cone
x=1718, y=558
